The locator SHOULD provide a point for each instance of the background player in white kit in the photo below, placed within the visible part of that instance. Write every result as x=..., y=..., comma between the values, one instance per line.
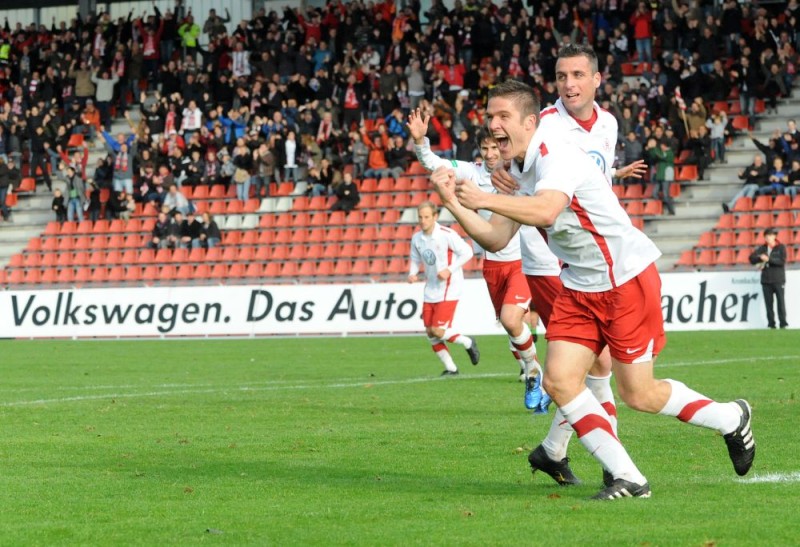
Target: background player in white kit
x=508, y=288
x=442, y=253
x=611, y=289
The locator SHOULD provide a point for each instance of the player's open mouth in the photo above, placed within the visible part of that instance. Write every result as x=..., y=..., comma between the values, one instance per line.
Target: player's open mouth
x=502, y=141
x=571, y=95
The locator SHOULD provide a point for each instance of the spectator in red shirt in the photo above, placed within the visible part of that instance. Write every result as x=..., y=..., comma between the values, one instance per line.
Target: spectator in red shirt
x=642, y=23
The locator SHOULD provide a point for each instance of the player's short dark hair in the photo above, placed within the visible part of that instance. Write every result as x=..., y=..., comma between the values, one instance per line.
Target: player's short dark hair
x=483, y=134
x=578, y=50
x=520, y=94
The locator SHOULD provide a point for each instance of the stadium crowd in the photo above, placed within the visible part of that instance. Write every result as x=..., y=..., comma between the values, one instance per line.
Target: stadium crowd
x=322, y=95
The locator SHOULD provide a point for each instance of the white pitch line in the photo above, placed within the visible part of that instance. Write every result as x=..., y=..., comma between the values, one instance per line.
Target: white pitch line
x=354, y=383
x=772, y=478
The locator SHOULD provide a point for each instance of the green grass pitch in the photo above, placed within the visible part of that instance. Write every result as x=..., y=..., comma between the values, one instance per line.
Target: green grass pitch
x=356, y=441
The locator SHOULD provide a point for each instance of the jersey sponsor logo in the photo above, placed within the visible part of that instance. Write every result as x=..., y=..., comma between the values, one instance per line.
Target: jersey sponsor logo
x=429, y=257
x=598, y=158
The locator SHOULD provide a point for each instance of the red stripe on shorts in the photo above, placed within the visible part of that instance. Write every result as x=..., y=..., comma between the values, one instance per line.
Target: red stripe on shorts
x=688, y=412
x=590, y=422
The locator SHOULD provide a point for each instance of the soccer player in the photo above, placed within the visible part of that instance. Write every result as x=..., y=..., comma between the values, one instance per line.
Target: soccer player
x=594, y=130
x=443, y=254
x=502, y=271
x=611, y=294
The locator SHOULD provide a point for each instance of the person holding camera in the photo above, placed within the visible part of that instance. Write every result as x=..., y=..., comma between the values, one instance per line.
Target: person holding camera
x=770, y=258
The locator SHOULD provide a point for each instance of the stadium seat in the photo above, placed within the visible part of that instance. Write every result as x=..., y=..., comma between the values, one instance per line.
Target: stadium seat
x=280, y=253
x=686, y=173
x=653, y=207
x=763, y=221
x=744, y=238
x=743, y=222
x=318, y=203
x=98, y=258
x=743, y=256
x=726, y=257
x=343, y=267
x=27, y=185
x=416, y=168
x=686, y=259
x=325, y=268
x=783, y=219
x=724, y=239
x=219, y=271
x=347, y=250
x=706, y=257
x=706, y=240
x=118, y=274
x=367, y=201
x=83, y=275
x=741, y=123
x=289, y=269
x=397, y=266
x=307, y=268
x=360, y=267
x=80, y=259
x=634, y=208
x=725, y=222
x=762, y=203
x=368, y=186
x=254, y=270
x=99, y=274
x=386, y=184
x=633, y=191
x=315, y=251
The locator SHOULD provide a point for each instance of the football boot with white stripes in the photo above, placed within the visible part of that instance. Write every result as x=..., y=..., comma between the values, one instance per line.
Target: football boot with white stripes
x=741, y=444
x=620, y=488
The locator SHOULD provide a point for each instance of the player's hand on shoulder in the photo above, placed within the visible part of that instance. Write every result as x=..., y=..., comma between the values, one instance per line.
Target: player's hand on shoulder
x=504, y=182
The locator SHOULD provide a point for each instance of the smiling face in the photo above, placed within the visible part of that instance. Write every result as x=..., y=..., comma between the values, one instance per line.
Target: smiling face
x=490, y=153
x=512, y=130
x=576, y=82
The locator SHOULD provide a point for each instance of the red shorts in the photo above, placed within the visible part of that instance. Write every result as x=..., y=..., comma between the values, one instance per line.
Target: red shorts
x=627, y=318
x=544, y=290
x=439, y=314
x=506, y=284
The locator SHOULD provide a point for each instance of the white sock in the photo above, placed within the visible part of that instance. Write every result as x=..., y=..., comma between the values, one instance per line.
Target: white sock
x=440, y=349
x=691, y=407
x=555, y=444
x=455, y=338
x=593, y=427
x=524, y=345
x=601, y=389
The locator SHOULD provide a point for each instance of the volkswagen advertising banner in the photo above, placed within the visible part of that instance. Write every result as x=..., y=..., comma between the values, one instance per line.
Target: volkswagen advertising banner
x=690, y=301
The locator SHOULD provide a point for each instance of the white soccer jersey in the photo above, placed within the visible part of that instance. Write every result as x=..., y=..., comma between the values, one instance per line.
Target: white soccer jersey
x=537, y=258
x=480, y=176
x=599, y=142
x=442, y=249
x=593, y=236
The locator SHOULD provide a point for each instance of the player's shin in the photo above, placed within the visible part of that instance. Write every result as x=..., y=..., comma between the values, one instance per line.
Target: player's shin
x=591, y=422
x=692, y=407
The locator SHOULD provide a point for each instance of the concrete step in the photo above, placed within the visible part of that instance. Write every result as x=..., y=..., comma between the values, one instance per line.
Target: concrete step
x=710, y=192
x=673, y=244
x=686, y=223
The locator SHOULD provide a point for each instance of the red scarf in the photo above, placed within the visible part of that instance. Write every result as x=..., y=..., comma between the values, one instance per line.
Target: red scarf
x=121, y=163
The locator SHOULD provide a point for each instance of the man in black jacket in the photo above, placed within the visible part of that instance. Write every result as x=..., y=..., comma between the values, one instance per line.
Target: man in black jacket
x=770, y=258
x=755, y=176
